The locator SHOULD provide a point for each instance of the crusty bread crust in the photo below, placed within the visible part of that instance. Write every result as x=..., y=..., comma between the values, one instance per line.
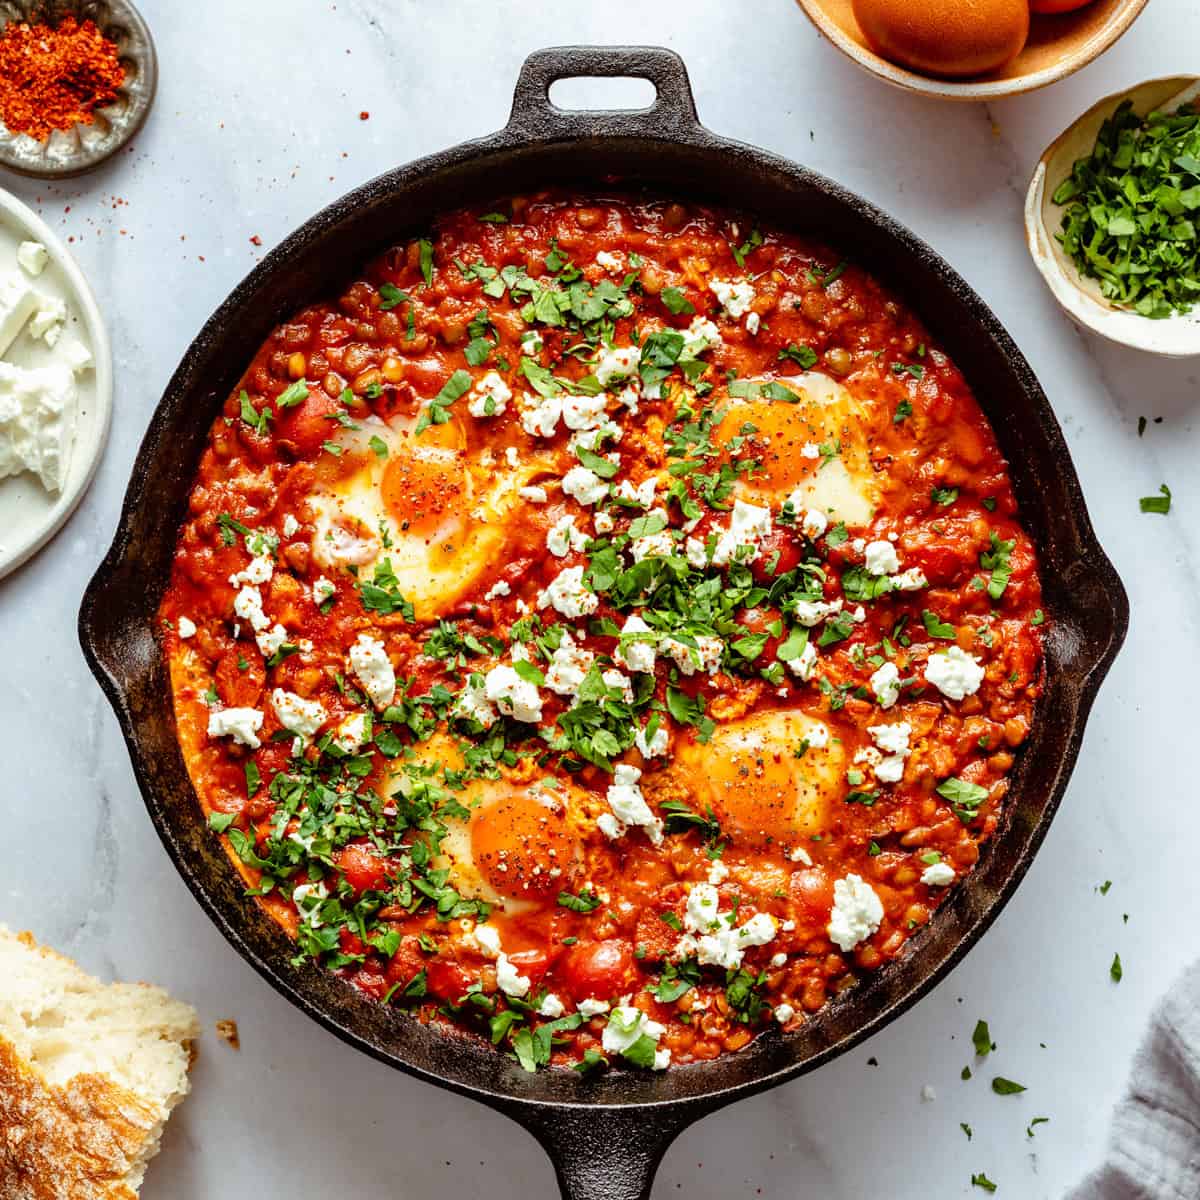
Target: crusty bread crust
x=87, y=1137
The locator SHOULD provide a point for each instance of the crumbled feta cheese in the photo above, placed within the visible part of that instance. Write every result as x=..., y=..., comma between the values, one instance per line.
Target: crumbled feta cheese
x=911, y=580
x=656, y=746
x=748, y=525
x=472, y=705
x=881, y=558
x=259, y=570
x=813, y=612
x=928, y=1095
x=695, y=551
x=584, y=485
x=617, y=681
x=513, y=696
x=805, y=663
x=322, y=590
x=954, y=673
x=603, y=522
x=17, y=302
x=938, y=874
x=704, y=656
x=297, y=715
x=857, y=912
x=241, y=724
x=610, y=261
x=489, y=397
x=47, y=321
x=540, y=414
x=584, y=412
x=509, y=980
x=813, y=523
x=592, y=1007
x=620, y=363
x=642, y=495
x=564, y=537
x=534, y=494
x=653, y=545
x=720, y=942
x=735, y=297
x=567, y=595
x=718, y=872
x=74, y=354
x=885, y=683
x=590, y=439
x=500, y=588
x=784, y=1013
x=778, y=960
x=636, y=654
x=893, y=741
x=753, y=323
x=569, y=665
x=487, y=938
x=551, y=1006
x=32, y=258
x=629, y=806
x=810, y=450
x=531, y=342
x=628, y=1025
x=187, y=628
x=370, y=663
x=817, y=736
x=290, y=525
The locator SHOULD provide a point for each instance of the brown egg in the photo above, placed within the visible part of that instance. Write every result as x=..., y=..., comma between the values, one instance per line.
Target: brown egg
x=945, y=37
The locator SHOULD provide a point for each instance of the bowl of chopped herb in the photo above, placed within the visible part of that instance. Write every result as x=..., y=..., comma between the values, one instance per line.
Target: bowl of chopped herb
x=1112, y=217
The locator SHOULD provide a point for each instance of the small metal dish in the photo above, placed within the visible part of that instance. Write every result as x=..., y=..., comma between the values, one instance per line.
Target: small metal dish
x=78, y=149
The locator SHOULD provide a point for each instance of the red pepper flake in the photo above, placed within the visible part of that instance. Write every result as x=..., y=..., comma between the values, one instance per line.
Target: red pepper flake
x=256, y=240
x=363, y=116
x=55, y=77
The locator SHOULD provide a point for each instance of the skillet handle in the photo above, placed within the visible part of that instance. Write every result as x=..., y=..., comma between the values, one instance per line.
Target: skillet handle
x=602, y=1153
x=672, y=113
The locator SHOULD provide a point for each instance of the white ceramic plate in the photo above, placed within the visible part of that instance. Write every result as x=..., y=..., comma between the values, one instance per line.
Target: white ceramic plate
x=29, y=515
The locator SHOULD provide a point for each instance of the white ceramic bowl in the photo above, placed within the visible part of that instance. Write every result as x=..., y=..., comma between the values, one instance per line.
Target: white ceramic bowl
x=1080, y=297
x=29, y=515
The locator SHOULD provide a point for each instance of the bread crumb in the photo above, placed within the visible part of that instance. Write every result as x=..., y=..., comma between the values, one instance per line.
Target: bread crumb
x=227, y=1031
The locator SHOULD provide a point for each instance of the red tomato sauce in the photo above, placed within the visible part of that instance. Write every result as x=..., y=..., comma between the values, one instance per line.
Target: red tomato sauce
x=859, y=662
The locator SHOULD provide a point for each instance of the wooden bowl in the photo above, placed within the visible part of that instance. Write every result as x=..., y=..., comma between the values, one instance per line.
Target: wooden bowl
x=1080, y=297
x=1057, y=46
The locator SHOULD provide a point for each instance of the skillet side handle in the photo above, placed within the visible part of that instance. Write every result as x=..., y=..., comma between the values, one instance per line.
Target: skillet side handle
x=605, y=1153
x=535, y=116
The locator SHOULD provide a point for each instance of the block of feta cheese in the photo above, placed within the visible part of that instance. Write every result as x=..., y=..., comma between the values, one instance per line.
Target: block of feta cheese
x=37, y=422
x=18, y=302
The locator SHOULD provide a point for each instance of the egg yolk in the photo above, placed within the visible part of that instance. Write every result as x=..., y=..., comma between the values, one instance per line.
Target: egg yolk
x=425, y=482
x=521, y=847
x=760, y=792
x=774, y=434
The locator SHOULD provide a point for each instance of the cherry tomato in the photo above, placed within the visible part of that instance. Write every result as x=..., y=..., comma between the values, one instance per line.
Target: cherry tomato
x=447, y=980
x=363, y=869
x=600, y=970
x=307, y=425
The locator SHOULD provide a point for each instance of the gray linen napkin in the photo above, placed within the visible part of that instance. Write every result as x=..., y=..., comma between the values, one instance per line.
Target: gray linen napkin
x=1154, y=1145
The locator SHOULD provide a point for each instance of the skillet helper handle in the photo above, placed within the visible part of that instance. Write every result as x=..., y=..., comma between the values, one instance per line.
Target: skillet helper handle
x=535, y=116
x=604, y=1153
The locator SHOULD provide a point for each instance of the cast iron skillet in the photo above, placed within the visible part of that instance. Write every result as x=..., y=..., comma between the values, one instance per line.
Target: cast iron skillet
x=606, y=1134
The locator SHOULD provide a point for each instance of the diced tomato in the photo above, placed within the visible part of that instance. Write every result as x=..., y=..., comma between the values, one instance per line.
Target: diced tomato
x=362, y=868
x=374, y=984
x=447, y=980
x=240, y=676
x=533, y=964
x=600, y=969
x=307, y=425
x=349, y=942
x=406, y=962
x=782, y=542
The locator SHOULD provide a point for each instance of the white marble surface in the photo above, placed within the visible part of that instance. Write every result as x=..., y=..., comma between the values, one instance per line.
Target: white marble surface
x=235, y=149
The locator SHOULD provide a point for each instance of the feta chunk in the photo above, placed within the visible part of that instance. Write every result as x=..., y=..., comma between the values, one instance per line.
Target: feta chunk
x=593, y=1007
x=489, y=397
x=892, y=740
x=609, y=261
x=567, y=595
x=911, y=580
x=735, y=297
x=551, y=1006
x=813, y=612
x=565, y=537
x=753, y=323
x=513, y=696
x=885, y=683
x=32, y=258
x=805, y=663
x=568, y=668
x=371, y=665
x=938, y=874
x=654, y=747
x=17, y=304
x=619, y=363
x=290, y=525
x=627, y=1026
x=704, y=656
x=37, y=419
x=353, y=732
x=473, y=705
x=47, y=320
x=955, y=673
x=241, y=724
x=508, y=978
x=487, y=938
x=297, y=715
x=540, y=415
x=584, y=485
x=322, y=589
x=748, y=525
x=784, y=1013
x=629, y=806
x=499, y=588
x=533, y=494
x=642, y=495
x=637, y=655
x=187, y=628
x=881, y=558
x=584, y=412
x=603, y=523
x=857, y=912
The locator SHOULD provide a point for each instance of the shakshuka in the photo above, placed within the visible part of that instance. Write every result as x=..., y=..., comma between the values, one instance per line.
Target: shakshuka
x=604, y=627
